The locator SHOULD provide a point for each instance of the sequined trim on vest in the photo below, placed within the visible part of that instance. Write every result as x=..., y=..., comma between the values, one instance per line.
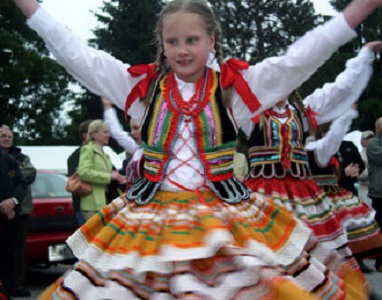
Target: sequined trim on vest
x=270, y=156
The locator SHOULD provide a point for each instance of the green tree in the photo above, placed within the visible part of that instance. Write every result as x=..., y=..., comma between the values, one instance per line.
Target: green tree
x=34, y=87
x=265, y=28
x=127, y=29
x=370, y=103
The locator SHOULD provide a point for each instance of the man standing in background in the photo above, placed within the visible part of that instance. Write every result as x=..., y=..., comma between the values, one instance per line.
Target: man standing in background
x=374, y=157
x=12, y=193
x=28, y=172
x=363, y=178
x=351, y=165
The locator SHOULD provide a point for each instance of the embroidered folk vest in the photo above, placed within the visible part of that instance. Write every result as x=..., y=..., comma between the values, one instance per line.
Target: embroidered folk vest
x=215, y=136
x=276, y=149
x=324, y=176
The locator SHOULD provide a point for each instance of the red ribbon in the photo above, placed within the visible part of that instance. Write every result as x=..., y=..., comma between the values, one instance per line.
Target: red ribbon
x=311, y=115
x=230, y=74
x=140, y=89
x=285, y=151
x=334, y=162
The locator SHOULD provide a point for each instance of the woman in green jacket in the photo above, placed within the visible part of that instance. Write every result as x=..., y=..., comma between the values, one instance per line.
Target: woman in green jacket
x=96, y=168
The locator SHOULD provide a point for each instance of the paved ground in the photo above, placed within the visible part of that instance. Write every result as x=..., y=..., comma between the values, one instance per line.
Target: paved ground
x=375, y=281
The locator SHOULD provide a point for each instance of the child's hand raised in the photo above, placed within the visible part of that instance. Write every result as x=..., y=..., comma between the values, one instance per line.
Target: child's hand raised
x=375, y=46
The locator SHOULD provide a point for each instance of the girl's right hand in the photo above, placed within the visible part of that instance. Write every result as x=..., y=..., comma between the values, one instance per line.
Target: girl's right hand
x=118, y=177
x=106, y=103
x=375, y=46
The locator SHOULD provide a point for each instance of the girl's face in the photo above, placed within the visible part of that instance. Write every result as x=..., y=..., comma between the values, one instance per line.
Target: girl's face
x=282, y=103
x=102, y=136
x=186, y=45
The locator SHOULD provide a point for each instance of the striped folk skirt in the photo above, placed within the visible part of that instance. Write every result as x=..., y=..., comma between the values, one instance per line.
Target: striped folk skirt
x=186, y=245
x=358, y=218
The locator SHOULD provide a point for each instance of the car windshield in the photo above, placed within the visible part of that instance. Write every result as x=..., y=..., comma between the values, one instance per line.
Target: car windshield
x=49, y=185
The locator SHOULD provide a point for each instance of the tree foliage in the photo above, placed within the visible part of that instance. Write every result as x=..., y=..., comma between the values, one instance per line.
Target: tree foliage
x=369, y=104
x=127, y=29
x=254, y=30
x=34, y=87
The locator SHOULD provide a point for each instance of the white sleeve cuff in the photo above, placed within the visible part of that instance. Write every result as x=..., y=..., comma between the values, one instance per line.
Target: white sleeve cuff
x=41, y=21
x=339, y=30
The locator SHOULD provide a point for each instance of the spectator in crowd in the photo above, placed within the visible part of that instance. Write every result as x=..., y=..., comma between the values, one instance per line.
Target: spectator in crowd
x=363, y=178
x=29, y=173
x=374, y=158
x=12, y=192
x=96, y=168
x=351, y=165
x=72, y=163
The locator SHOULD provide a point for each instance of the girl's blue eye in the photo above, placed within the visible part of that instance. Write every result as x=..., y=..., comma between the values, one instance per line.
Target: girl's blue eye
x=192, y=40
x=172, y=42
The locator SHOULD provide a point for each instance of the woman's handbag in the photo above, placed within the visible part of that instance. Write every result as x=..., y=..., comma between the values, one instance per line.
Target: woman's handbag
x=78, y=187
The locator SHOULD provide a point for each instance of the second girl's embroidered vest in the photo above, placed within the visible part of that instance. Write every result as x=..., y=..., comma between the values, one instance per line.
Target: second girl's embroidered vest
x=324, y=176
x=215, y=136
x=276, y=149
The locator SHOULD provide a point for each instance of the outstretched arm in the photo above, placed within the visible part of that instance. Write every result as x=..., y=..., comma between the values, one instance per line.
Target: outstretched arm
x=116, y=129
x=335, y=98
x=327, y=146
x=275, y=78
x=96, y=70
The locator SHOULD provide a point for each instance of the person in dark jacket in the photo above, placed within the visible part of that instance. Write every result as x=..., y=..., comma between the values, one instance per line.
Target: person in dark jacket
x=72, y=163
x=351, y=165
x=29, y=173
x=12, y=192
x=374, y=157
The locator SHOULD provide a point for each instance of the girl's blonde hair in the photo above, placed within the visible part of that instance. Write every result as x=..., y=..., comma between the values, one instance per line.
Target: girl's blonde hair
x=95, y=126
x=212, y=25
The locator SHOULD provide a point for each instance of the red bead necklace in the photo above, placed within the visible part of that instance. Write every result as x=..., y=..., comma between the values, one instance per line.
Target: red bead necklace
x=198, y=100
x=279, y=115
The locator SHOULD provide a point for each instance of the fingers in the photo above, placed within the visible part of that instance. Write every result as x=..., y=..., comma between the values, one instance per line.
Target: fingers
x=106, y=103
x=7, y=208
x=375, y=46
x=352, y=170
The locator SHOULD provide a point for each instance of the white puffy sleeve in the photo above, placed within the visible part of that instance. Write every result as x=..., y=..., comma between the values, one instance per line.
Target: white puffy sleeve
x=327, y=146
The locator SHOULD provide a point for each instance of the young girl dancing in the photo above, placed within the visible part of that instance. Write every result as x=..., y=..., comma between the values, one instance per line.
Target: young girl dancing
x=279, y=167
x=363, y=232
x=188, y=229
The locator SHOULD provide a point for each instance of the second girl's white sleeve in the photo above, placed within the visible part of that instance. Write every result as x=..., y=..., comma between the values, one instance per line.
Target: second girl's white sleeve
x=275, y=78
x=334, y=99
x=117, y=132
x=327, y=146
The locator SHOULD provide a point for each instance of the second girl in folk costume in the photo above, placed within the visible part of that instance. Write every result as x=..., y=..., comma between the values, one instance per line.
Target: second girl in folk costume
x=189, y=229
x=279, y=162
x=364, y=234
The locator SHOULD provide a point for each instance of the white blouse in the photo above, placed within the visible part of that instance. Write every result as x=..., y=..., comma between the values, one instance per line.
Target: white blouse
x=116, y=131
x=327, y=146
x=270, y=80
x=336, y=98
